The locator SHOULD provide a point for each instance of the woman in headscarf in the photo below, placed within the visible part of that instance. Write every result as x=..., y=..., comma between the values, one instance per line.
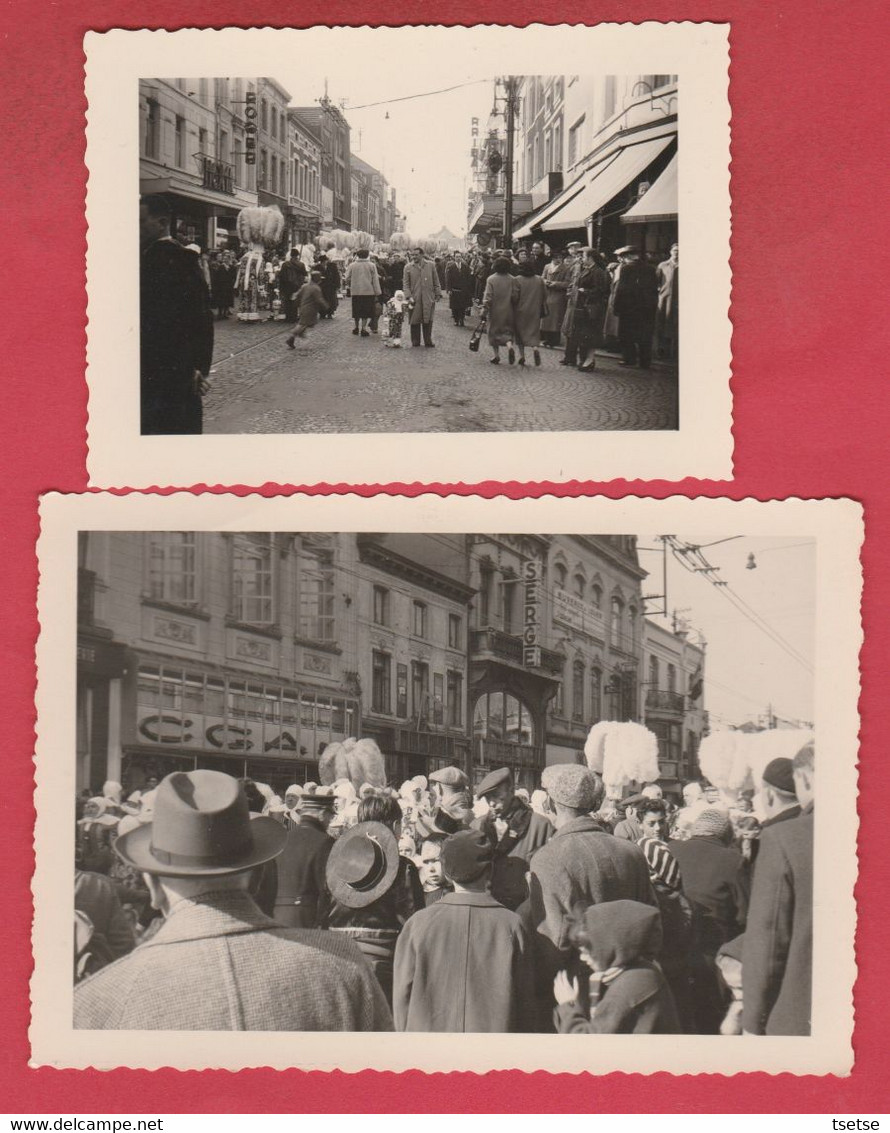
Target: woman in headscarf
x=497, y=308
x=374, y=889
x=530, y=305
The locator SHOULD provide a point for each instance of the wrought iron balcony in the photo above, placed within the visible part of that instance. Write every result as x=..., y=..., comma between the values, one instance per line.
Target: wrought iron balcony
x=664, y=701
x=439, y=745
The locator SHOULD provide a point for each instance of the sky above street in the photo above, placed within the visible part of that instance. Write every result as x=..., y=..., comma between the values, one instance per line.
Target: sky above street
x=421, y=145
x=744, y=669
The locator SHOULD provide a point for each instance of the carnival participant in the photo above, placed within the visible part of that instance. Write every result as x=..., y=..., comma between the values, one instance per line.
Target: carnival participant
x=302, y=897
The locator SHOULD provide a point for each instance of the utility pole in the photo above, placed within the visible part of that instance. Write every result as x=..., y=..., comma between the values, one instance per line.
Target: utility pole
x=510, y=84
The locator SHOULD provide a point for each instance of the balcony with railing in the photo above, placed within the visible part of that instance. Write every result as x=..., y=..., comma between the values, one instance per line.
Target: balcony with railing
x=496, y=753
x=501, y=646
x=437, y=745
x=216, y=174
x=660, y=700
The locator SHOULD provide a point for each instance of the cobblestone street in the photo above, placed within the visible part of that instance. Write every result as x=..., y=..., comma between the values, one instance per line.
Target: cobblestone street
x=335, y=382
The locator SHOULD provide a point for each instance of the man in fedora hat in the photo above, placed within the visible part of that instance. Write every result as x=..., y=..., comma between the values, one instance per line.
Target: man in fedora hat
x=635, y=303
x=218, y=963
x=450, y=791
x=302, y=895
x=464, y=963
x=515, y=831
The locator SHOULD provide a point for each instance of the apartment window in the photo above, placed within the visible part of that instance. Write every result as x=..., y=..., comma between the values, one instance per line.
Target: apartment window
x=596, y=696
x=560, y=574
x=671, y=678
x=438, y=698
x=264, y=160
x=152, y=142
x=381, y=606
x=273, y=182
x=557, y=146
x=578, y=690
x=221, y=90
x=419, y=619
x=454, y=699
x=580, y=585
x=223, y=145
x=402, y=691
x=173, y=567
x=596, y=596
x=548, y=152
x=381, y=667
x=264, y=115
x=508, y=604
x=654, y=675
x=180, y=142
x=315, y=579
x=455, y=631
x=609, y=97
x=252, y=579
x=420, y=690
x=202, y=140
x=615, y=627
x=558, y=701
x=575, y=141
x=485, y=579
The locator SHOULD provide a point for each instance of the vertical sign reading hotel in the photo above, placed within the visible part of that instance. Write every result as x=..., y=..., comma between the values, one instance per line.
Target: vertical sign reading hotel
x=531, y=581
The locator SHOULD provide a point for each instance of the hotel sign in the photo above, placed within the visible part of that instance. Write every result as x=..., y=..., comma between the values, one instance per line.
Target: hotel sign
x=531, y=586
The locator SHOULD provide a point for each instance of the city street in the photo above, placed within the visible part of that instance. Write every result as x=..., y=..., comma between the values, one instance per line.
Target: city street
x=334, y=382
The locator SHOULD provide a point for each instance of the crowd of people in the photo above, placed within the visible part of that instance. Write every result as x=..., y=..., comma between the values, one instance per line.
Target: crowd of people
x=206, y=902
x=523, y=298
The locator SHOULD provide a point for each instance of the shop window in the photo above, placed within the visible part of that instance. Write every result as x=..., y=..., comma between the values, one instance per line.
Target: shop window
x=419, y=614
x=172, y=567
x=454, y=699
x=578, y=690
x=315, y=583
x=502, y=716
x=252, y=579
x=381, y=667
x=455, y=631
x=381, y=606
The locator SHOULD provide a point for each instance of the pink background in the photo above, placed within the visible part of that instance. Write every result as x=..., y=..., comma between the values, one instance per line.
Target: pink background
x=809, y=89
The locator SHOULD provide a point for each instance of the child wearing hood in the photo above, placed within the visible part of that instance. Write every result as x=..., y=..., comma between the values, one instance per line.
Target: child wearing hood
x=618, y=941
x=395, y=309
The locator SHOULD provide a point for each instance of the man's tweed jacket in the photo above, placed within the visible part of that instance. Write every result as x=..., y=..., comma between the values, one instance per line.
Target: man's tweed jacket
x=219, y=964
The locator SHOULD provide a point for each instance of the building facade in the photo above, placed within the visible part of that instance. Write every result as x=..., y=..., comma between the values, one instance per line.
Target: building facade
x=249, y=652
x=194, y=147
x=327, y=122
x=673, y=701
x=304, y=181
x=539, y=144
x=274, y=144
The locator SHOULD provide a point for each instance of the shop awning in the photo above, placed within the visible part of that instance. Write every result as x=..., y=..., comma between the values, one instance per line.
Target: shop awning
x=606, y=182
x=659, y=202
x=489, y=211
x=541, y=214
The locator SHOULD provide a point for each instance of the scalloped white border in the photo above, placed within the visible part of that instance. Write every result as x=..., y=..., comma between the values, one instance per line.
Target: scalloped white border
x=702, y=447
x=837, y=526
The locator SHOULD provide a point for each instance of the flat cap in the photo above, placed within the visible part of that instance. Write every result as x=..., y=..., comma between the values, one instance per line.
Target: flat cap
x=449, y=777
x=627, y=250
x=633, y=800
x=493, y=779
x=466, y=854
x=778, y=773
x=571, y=784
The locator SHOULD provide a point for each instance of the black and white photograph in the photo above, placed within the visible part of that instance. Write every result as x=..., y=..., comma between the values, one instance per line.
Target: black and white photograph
x=528, y=221
x=451, y=252
x=448, y=782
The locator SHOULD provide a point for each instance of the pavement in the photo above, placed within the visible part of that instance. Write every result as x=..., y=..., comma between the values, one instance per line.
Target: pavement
x=335, y=382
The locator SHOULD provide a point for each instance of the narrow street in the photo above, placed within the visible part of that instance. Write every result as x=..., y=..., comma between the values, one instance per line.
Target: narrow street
x=335, y=382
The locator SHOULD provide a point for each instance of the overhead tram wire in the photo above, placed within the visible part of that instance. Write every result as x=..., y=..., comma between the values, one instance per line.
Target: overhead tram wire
x=422, y=94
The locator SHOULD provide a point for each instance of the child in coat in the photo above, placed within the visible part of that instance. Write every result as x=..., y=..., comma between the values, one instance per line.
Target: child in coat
x=395, y=310
x=310, y=305
x=618, y=941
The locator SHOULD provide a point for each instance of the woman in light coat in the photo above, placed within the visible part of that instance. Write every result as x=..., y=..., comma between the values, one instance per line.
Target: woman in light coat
x=363, y=284
x=501, y=291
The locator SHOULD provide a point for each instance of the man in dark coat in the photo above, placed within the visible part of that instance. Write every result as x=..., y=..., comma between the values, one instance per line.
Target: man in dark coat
x=777, y=960
x=330, y=284
x=515, y=831
x=464, y=963
x=290, y=279
x=176, y=326
x=716, y=883
x=302, y=894
x=635, y=304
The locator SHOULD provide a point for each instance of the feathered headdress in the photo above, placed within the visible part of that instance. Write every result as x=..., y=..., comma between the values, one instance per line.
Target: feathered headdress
x=621, y=753
x=260, y=225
